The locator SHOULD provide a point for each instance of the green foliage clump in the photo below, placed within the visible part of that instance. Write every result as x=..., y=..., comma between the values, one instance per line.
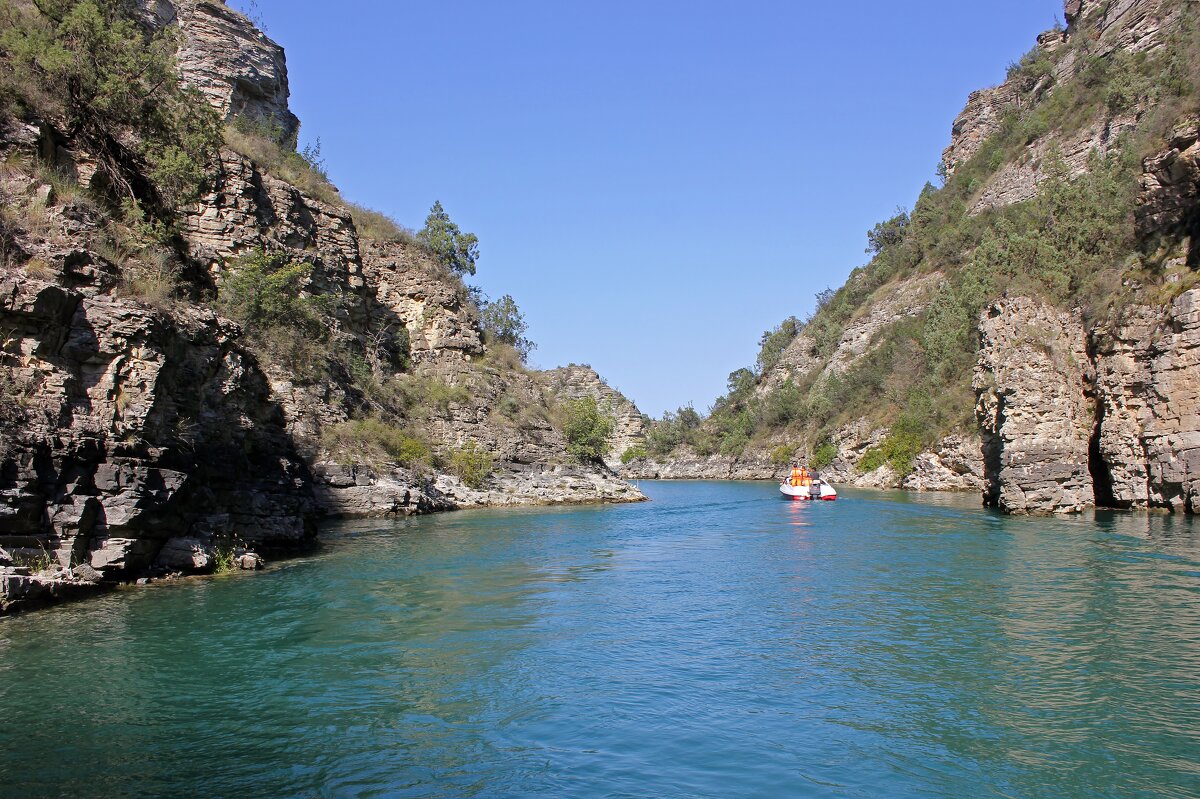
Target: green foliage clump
x=773, y=343
x=423, y=397
x=104, y=80
x=224, y=561
x=782, y=455
x=823, y=455
x=472, y=464
x=587, y=429
x=453, y=249
x=1032, y=67
x=503, y=323
x=635, y=453
x=374, y=442
x=782, y=406
x=674, y=429
x=264, y=293
x=888, y=233
x=903, y=443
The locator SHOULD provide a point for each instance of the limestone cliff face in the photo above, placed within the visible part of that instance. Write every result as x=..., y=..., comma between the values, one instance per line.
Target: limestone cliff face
x=1032, y=408
x=237, y=68
x=123, y=426
x=1132, y=26
x=141, y=435
x=1073, y=419
x=1169, y=197
x=1148, y=389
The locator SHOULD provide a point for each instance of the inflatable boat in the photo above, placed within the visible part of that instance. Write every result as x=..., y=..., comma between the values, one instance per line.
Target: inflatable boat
x=816, y=489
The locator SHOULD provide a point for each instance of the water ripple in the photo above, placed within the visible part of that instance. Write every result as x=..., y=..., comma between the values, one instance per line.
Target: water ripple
x=716, y=642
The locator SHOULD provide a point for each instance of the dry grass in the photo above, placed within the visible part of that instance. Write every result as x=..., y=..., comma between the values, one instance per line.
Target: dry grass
x=281, y=161
x=378, y=226
x=152, y=279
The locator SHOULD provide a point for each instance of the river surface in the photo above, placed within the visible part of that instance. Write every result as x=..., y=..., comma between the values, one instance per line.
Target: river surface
x=716, y=642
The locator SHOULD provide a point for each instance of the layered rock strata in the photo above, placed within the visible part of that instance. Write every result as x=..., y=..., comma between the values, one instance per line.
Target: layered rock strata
x=238, y=69
x=1098, y=30
x=1148, y=390
x=139, y=435
x=1031, y=384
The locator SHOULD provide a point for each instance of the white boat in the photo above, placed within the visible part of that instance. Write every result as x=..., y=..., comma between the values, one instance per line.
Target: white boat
x=818, y=489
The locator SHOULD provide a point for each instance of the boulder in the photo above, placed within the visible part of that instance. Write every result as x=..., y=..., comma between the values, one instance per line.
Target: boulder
x=249, y=561
x=190, y=555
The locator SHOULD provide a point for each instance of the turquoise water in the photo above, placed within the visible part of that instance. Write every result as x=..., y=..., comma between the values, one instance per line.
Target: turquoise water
x=717, y=642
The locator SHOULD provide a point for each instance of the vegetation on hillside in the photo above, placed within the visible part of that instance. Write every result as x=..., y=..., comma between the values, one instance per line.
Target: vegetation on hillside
x=1073, y=244
x=453, y=249
x=503, y=323
x=89, y=69
x=587, y=429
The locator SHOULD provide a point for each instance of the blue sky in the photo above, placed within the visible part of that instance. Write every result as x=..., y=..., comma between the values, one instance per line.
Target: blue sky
x=655, y=183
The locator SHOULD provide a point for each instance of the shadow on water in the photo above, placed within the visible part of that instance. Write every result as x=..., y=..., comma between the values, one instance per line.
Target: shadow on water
x=717, y=641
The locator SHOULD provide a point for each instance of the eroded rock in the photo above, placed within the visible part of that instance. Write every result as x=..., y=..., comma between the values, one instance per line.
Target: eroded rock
x=1031, y=383
x=1148, y=388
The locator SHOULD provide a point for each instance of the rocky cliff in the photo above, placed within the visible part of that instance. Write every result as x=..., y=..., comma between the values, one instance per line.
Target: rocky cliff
x=1026, y=330
x=1032, y=381
x=238, y=69
x=142, y=433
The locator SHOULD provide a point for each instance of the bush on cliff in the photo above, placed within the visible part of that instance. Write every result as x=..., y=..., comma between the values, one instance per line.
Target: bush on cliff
x=587, y=429
x=265, y=294
x=455, y=250
x=472, y=464
x=635, y=453
x=503, y=323
x=373, y=442
x=773, y=343
x=94, y=72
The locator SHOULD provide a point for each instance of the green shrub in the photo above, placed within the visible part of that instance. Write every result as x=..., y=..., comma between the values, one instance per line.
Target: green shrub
x=263, y=291
x=782, y=406
x=509, y=406
x=423, y=397
x=288, y=329
x=635, y=453
x=734, y=443
x=823, y=455
x=783, y=454
x=455, y=250
x=774, y=342
x=472, y=464
x=101, y=75
x=898, y=450
x=503, y=323
x=587, y=429
x=374, y=442
x=872, y=459
x=223, y=559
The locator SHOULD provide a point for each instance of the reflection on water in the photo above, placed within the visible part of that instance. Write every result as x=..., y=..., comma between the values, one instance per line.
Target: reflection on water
x=719, y=641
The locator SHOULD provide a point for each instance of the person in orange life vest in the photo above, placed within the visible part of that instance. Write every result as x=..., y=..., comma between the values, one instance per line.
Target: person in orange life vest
x=796, y=476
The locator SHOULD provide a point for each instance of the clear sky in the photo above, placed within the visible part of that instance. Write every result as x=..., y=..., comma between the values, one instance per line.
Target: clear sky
x=658, y=182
